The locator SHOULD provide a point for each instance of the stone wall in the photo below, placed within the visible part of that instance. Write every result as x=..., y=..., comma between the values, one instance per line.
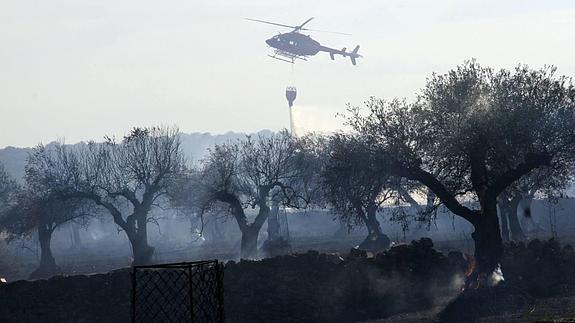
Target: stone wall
x=307, y=287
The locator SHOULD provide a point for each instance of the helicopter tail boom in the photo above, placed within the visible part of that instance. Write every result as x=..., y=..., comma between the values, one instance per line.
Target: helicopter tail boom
x=353, y=55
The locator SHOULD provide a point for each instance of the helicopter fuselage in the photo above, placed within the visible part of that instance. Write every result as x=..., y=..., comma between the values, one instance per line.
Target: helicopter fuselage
x=295, y=43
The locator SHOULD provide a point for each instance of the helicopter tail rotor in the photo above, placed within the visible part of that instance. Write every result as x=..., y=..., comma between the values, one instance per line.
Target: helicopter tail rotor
x=353, y=55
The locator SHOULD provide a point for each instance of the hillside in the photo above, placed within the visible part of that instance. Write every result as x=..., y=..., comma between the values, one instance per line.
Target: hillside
x=195, y=146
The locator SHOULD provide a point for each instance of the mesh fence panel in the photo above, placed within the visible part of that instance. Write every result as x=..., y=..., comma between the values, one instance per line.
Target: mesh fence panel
x=182, y=292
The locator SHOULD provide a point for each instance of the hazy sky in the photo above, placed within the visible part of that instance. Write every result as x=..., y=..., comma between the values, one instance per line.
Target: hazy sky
x=79, y=69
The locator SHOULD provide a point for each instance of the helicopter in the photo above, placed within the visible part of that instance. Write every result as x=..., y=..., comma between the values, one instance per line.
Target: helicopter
x=293, y=45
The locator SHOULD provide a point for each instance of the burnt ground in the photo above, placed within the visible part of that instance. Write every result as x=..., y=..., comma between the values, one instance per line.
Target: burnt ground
x=552, y=309
x=539, y=287
x=411, y=283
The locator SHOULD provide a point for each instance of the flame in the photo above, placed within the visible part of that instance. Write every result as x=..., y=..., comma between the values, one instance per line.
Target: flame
x=471, y=264
x=471, y=282
x=475, y=280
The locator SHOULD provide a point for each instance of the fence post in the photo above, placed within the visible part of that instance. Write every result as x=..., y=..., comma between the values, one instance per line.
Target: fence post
x=133, y=294
x=220, y=291
x=191, y=293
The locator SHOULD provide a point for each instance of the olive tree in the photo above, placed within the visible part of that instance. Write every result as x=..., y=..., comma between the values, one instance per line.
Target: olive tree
x=473, y=133
x=33, y=208
x=356, y=184
x=546, y=182
x=127, y=178
x=40, y=214
x=249, y=174
x=8, y=188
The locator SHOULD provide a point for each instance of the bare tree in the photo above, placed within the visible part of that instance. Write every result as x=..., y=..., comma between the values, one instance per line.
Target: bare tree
x=35, y=208
x=126, y=178
x=471, y=135
x=248, y=174
x=357, y=183
x=33, y=212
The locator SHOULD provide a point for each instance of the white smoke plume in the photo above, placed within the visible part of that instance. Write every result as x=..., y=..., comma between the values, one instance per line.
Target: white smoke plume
x=315, y=119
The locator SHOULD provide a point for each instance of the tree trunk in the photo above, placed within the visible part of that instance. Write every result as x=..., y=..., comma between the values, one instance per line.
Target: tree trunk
x=430, y=199
x=372, y=224
x=249, y=244
x=525, y=205
x=142, y=251
x=273, y=222
x=375, y=240
x=199, y=230
x=503, y=217
x=76, y=240
x=276, y=243
x=514, y=226
x=193, y=227
x=47, y=267
x=139, y=239
x=488, y=246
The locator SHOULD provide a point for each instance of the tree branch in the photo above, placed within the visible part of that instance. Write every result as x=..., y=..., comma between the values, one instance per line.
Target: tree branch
x=236, y=207
x=447, y=198
x=531, y=162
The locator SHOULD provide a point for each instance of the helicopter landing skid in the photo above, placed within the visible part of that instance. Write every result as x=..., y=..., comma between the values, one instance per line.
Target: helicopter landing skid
x=286, y=57
x=292, y=61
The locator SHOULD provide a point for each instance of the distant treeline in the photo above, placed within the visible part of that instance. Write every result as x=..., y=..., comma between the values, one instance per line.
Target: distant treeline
x=194, y=145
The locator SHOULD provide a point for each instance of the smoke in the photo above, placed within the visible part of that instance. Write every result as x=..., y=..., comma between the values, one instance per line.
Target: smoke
x=496, y=277
x=315, y=119
x=457, y=282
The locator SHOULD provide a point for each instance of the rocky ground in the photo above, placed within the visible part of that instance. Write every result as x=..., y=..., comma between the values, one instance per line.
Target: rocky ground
x=411, y=283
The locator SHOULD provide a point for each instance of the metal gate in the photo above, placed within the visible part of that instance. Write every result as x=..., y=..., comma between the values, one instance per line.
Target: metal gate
x=179, y=292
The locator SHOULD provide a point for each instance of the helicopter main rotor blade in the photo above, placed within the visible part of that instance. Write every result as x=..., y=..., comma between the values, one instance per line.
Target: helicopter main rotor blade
x=271, y=23
x=305, y=22
x=298, y=28
x=326, y=31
